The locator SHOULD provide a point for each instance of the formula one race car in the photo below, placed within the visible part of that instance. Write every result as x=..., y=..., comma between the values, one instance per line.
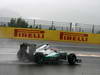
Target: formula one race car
x=45, y=54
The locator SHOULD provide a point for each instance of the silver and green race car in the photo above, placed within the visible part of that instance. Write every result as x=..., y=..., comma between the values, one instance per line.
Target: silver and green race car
x=45, y=54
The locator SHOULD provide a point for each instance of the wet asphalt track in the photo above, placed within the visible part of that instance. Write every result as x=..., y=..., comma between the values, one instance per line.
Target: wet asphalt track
x=9, y=64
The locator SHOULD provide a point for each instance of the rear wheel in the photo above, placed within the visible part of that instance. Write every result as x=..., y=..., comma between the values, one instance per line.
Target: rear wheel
x=72, y=58
x=38, y=58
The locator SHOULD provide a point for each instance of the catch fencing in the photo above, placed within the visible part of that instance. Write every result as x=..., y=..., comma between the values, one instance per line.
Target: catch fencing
x=66, y=26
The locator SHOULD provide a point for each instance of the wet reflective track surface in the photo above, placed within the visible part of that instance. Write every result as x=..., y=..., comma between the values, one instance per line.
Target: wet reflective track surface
x=89, y=66
x=9, y=64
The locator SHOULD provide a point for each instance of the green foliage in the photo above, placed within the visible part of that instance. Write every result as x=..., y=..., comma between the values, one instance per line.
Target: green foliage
x=52, y=27
x=37, y=26
x=98, y=32
x=18, y=23
x=40, y=27
x=12, y=23
x=30, y=26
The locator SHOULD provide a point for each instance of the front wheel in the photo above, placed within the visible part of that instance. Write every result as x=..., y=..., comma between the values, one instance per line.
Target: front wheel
x=72, y=58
